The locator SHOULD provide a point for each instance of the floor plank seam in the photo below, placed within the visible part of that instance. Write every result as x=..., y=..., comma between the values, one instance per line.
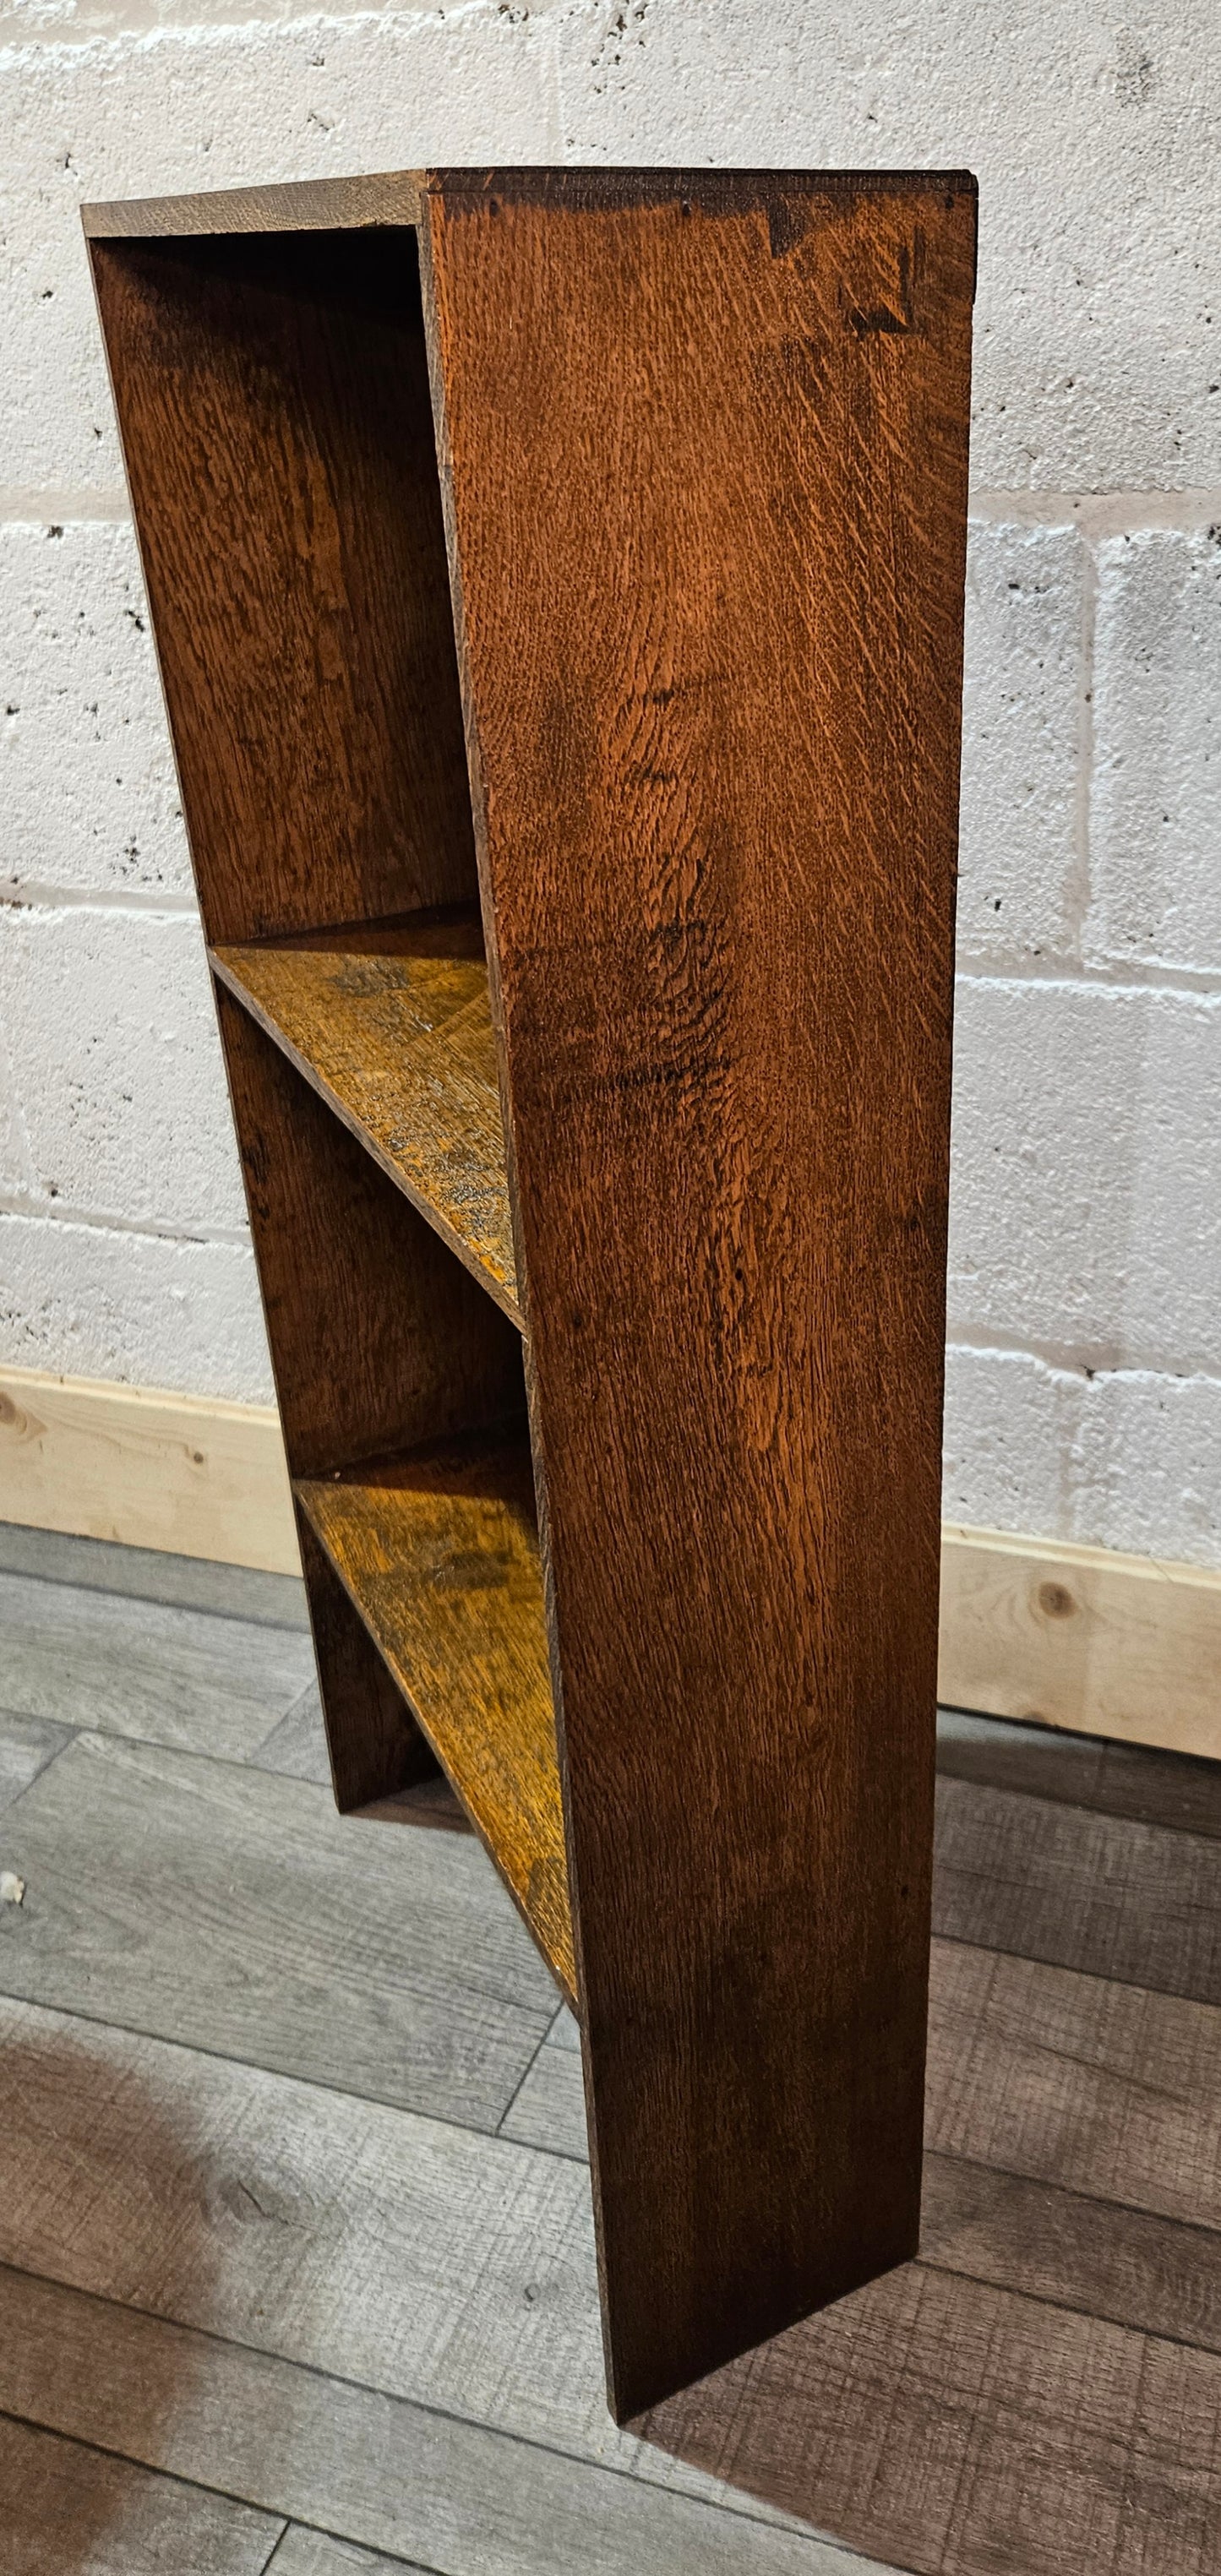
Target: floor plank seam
x=632, y=2477
x=285, y=2075
x=158, y=1601
x=1065, y=2307
x=1094, y=1976
x=1068, y=2191
x=527, y=2071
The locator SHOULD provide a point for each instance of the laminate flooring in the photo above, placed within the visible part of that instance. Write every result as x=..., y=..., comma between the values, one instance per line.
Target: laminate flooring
x=296, y=2262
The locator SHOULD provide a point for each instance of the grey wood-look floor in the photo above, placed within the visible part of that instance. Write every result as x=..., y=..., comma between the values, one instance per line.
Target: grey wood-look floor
x=296, y=2264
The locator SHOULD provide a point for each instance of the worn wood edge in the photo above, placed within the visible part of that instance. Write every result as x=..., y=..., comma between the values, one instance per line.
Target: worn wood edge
x=1082, y=1638
x=557, y=1967
x=497, y=1289
x=394, y=196
x=1135, y=1655
x=298, y=205
x=188, y=1475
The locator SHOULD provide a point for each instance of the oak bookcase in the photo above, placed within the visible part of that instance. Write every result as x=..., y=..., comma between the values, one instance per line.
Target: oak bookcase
x=557, y=581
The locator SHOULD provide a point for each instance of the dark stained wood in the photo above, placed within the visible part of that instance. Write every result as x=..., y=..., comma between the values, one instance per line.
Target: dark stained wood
x=375, y=1747
x=702, y=440
x=439, y=1552
x=378, y=1340
x=705, y=456
x=394, y=1029
x=273, y=402
x=1129, y=1901
x=301, y=205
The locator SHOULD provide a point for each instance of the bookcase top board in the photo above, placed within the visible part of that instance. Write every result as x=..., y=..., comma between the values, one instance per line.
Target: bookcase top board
x=396, y=196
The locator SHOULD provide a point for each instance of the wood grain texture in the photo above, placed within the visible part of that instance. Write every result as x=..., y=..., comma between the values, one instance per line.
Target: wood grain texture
x=146, y=1668
x=146, y=1469
x=1108, y=2090
x=393, y=1026
x=710, y=580
x=273, y=405
x=379, y=1339
x=300, y=205
x=926, y=2419
x=439, y=1553
x=1133, y=1902
x=374, y=1747
x=401, y=2478
x=1158, y=2275
x=147, y=1574
x=27, y=1744
x=1082, y=1637
x=318, y=2553
x=64, y=2509
x=234, y=1911
x=1155, y=2274
x=979, y=2433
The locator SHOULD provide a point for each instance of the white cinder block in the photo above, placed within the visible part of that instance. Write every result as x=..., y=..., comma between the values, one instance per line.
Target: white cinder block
x=88, y=797
x=1021, y=728
x=1086, y=1197
x=86, y=1302
x=1147, y=1466
x=1010, y=1427
x=218, y=107
x=1155, y=823
x=1097, y=328
x=1123, y=1458
x=110, y=1022
x=15, y=1171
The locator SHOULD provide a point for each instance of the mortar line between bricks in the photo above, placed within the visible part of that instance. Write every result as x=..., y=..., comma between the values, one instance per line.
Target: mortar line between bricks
x=154, y=1229
x=28, y=507
x=1119, y=512
x=1080, y=1359
x=1078, y=891
x=1182, y=983
x=1114, y=512
x=16, y=896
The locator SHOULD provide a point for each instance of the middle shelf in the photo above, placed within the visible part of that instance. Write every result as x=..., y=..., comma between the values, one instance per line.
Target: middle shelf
x=391, y=1022
x=438, y=1550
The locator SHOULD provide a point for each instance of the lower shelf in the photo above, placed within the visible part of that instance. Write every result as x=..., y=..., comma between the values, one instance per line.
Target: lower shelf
x=439, y=1552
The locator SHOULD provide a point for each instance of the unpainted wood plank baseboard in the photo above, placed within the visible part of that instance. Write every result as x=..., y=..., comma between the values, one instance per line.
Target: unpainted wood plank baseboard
x=1076, y=1637
x=188, y=1474
x=1081, y=1637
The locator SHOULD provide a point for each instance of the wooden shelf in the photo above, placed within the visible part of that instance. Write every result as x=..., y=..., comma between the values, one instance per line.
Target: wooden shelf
x=439, y=1553
x=392, y=1023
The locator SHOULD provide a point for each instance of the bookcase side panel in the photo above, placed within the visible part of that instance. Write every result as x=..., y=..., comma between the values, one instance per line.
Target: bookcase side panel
x=706, y=468
x=273, y=403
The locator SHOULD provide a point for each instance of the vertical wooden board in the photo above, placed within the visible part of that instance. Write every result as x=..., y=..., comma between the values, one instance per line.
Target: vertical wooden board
x=374, y=1743
x=273, y=402
x=704, y=445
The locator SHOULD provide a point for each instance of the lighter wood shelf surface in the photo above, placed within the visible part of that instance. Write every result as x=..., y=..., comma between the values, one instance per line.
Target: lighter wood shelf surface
x=439, y=1552
x=392, y=1024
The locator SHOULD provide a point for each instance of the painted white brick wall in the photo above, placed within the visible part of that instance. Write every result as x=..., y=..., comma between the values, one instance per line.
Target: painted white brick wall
x=1084, y=1368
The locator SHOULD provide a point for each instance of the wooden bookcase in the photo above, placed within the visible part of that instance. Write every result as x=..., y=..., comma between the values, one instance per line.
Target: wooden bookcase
x=557, y=580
